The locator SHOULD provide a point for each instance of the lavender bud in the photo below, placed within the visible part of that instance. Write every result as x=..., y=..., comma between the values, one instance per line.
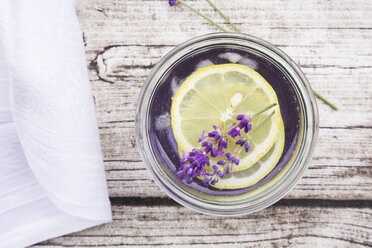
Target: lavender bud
x=236, y=161
x=241, y=141
x=228, y=169
x=194, y=164
x=207, y=149
x=189, y=172
x=205, y=180
x=190, y=159
x=249, y=126
x=222, y=162
x=204, y=135
x=193, y=174
x=173, y=2
x=205, y=143
x=217, y=137
x=213, y=133
x=214, y=151
x=240, y=117
x=247, y=147
x=188, y=179
x=222, y=144
x=220, y=174
x=180, y=175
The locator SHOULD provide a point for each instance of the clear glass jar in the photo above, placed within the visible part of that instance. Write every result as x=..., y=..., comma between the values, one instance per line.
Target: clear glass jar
x=268, y=193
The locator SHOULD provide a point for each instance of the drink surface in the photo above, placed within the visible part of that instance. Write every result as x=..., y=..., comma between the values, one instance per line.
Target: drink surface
x=161, y=135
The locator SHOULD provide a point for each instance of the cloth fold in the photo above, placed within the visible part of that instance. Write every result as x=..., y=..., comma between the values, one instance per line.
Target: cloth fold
x=52, y=180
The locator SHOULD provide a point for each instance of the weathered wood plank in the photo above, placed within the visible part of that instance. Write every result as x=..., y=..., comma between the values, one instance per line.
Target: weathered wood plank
x=332, y=173
x=154, y=22
x=277, y=226
x=333, y=50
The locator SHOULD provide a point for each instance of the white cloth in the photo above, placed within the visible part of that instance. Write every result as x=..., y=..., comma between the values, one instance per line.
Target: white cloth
x=52, y=180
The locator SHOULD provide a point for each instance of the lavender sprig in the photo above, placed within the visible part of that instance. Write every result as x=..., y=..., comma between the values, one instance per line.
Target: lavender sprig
x=216, y=143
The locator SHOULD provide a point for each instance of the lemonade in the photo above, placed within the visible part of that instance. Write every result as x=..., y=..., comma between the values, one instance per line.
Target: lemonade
x=213, y=87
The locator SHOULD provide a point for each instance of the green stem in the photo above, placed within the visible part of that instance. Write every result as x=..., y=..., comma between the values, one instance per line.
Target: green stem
x=324, y=100
x=263, y=110
x=224, y=17
x=203, y=16
x=261, y=124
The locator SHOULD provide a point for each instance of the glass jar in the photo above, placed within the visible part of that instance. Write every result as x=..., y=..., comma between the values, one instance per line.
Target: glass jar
x=154, y=155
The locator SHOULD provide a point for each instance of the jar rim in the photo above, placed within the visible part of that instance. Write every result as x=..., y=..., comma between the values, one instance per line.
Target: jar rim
x=309, y=131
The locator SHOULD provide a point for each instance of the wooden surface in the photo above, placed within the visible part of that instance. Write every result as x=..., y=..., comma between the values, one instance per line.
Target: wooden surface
x=332, y=43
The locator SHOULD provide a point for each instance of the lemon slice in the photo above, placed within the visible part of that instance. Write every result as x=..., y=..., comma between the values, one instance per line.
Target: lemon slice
x=252, y=175
x=215, y=95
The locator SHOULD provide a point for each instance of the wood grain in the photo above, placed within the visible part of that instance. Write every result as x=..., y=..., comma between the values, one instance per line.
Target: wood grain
x=331, y=42
x=280, y=226
x=332, y=174
x=337, y=62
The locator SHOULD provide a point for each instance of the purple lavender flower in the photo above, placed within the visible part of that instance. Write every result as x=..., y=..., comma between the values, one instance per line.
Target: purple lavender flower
x=243, y=125
x=206, y=143
x=249, y=127
x=201, y=159
x=204, y=135
x=190, y=171
x=194, y=152
x=241, y=141
x=247, y=146
x=234, y=132
x=214, y=151
x=180, y=175
x=173, y=2
x=205, y=180
x=190, y=158
x=216, y=133
x=222, y=144
x=200, y=172
x=183, y=157
x=219, y=153
x=193, y=164
x=220, y=173
x=212, y=181
x=185, y=168
x=240, y=117
x=234, y=159
x=222, y=162
x=188, y=179
x=228, y=169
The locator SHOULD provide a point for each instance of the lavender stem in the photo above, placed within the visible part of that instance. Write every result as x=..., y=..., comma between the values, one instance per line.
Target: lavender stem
x=203, y=16
x=223, y=16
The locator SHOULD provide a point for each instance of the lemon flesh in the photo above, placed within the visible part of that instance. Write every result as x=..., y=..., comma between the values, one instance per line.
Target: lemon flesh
x=215, y=95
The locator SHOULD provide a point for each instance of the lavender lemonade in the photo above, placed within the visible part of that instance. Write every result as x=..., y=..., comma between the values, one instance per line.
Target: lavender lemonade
x=206, y=179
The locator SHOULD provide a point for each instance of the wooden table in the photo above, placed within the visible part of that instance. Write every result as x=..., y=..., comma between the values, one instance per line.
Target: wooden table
x=332, y=43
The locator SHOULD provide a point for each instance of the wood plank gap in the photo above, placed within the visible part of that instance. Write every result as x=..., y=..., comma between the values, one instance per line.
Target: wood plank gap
x=329, y=203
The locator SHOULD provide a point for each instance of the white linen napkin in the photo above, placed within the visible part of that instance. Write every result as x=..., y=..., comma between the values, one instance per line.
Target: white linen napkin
x=52, y=180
